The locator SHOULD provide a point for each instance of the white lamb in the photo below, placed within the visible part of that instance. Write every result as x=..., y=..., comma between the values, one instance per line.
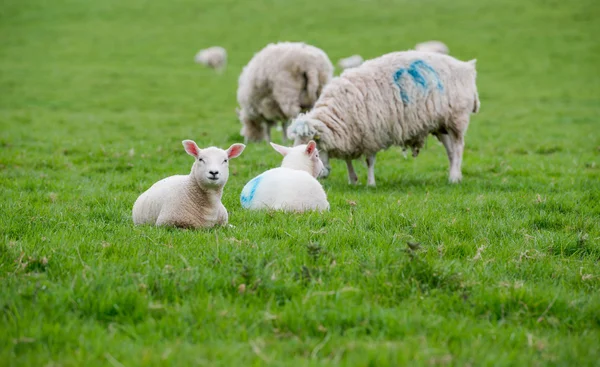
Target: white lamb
x=396, y=99
x=279, y=82
x=291, y=187
x=433, y=46
x=350, y=62
x=189, y=201
x=214, y=57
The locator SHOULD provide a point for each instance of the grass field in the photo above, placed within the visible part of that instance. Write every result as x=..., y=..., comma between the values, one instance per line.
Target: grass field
x=96, y=96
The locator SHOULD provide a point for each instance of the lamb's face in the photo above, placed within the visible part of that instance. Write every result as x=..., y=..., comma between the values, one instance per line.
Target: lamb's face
x=211, y=168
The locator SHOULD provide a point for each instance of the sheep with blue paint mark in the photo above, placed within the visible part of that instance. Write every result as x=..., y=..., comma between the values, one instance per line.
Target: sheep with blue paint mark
x=280, y=81
x=193, y=200
x=293, y=187
x=397, y=99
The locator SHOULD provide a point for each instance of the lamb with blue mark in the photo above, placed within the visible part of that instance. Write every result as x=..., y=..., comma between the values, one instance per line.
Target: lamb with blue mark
x=293, y=187
x=397, y=99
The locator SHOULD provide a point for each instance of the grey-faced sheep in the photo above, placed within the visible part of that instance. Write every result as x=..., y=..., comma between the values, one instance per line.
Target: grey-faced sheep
x=189, y=201
x=396, y=99
x=279, y=82
x=432, y=46
x=213, y=57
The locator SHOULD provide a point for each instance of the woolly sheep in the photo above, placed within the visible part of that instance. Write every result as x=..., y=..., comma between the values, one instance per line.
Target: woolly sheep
x=291, y=187
x=214, y=57
x=279, y=82
x=432, y=46
x=396, y=99
x=189, y=201
x=350, y=62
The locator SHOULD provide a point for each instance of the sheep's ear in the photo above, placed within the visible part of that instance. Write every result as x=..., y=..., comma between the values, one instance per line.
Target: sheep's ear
x=281, y=149
x=191, y=148
x=235, y=150
x=472, y=62
x=311, y=148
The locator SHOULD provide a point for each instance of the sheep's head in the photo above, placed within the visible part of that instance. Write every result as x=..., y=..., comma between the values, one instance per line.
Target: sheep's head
x=211, y=168
x=302, y=131
x=303, y=157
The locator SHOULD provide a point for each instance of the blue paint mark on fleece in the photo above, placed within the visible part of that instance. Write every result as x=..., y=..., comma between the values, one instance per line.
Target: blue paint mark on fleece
x=421, y=73
x=249, y=190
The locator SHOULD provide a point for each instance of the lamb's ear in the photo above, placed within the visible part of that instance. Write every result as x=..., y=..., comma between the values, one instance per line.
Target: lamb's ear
x=472, y=62
x=191, y=148
x=235, y=150
x=281, y=149
x=311, y=148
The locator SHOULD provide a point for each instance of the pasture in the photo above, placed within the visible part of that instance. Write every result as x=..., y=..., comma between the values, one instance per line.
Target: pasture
x=501, y=269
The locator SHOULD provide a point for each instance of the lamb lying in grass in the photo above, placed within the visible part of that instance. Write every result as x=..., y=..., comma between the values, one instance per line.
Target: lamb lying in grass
x=396, y=99
x=291, y=187
x=189, y=201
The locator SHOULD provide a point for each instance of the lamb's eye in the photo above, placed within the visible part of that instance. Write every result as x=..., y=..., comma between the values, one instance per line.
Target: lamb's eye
x=225, y=161
x=200, y=160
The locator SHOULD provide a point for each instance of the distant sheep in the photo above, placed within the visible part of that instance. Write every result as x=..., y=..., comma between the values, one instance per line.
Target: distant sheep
x=291, y=187
x=213, y=57
x=350, y=62
x=396, y=99
x=189, y=201
x=432, y=46
x=279, y=82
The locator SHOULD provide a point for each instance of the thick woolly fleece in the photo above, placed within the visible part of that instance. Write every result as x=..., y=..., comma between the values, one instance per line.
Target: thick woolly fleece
x=396, y=99
x=279, y=82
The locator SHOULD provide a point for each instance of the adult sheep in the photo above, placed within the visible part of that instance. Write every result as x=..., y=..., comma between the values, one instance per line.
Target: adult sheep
x=396, y=99
x=279, y=82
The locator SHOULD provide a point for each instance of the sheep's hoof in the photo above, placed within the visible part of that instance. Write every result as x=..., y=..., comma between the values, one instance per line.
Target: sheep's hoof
x=454, y=179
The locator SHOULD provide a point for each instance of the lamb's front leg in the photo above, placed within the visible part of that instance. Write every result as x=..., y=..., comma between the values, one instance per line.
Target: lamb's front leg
x=352, y=177
x=371, y=170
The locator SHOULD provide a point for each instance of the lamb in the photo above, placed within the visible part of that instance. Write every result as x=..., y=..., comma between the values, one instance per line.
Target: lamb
x=189, y=201
x=350, y=62
x=214, y=57
x=279, y=82
x=292, y=187
x=432, y=46
x=396, y=99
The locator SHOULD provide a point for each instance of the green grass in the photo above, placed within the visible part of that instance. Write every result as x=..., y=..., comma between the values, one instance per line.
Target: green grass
x=96, y=96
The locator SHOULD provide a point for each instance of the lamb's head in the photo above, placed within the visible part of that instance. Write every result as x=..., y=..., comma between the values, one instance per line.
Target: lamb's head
x=211, y=168
x=303, y=157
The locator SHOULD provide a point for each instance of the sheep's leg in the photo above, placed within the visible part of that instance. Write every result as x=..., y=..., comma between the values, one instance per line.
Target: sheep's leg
x=458, y=143
x=371, y=170
x=284, y=126
x=445, y=140
x=268, y=132
x=352, y=177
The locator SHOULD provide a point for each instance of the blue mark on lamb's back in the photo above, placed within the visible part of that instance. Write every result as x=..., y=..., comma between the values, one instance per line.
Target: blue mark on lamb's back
x=421, y=74
x=249, y=190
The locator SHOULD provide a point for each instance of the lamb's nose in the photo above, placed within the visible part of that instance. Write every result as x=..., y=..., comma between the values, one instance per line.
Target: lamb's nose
x=214, y=173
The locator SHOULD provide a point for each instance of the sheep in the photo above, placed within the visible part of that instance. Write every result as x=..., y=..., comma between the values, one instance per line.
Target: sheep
x=396, y=99
x=189, y=201
x=432, y=46
x=280, y=81
x=214, y=57
x=292, y=187
x=350, y=62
